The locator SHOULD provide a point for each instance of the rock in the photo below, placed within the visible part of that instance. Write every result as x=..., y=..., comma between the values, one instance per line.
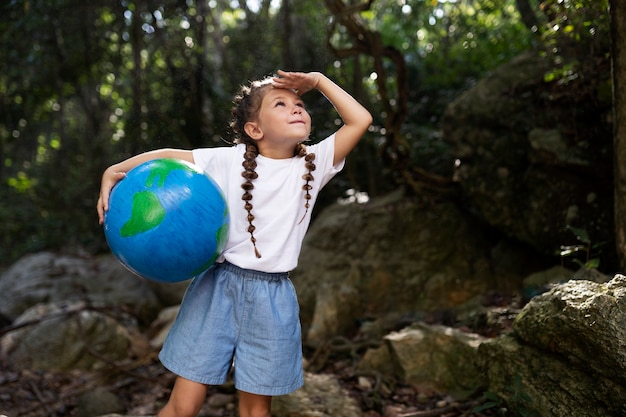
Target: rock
x=321, y=396
x=567, y=353
x=582, y=321
x=541, y=281
x=365, y=261
x=535, y=382
x=437, y=358
x=98, y=402
x=377, y=359
x=49, y=277
x=523, y=157
x=66, y=336
x=162, y=325
x=169, y=293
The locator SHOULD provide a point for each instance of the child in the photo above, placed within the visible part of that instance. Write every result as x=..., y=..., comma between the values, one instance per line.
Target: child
x=243, y=310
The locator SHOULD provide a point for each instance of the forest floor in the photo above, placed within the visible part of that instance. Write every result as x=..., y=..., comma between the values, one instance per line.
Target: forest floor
x=142, y=389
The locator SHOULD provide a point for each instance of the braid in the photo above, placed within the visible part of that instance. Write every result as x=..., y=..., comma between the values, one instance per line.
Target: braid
x=246, y=106
x=310, y=166
x=249, y=173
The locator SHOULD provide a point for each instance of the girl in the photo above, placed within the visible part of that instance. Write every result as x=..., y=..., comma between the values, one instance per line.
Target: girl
x=243, y=311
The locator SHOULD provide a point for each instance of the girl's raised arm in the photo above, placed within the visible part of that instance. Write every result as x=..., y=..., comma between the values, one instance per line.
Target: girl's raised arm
x=118, y=171
x=356, y=118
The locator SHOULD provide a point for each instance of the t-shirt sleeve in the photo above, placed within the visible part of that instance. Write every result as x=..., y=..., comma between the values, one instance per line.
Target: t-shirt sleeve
x=324, y=155
x=216, y=161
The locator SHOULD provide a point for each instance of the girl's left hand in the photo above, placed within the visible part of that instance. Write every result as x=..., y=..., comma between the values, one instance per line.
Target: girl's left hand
x=301, y=82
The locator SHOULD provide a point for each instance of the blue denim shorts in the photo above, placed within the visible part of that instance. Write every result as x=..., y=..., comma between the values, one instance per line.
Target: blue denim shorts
x=234, y=317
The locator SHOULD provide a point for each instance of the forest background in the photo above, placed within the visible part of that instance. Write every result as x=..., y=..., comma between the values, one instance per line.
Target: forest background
x=86, y=84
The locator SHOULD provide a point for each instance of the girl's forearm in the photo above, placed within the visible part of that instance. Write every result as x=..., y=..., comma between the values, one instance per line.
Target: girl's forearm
x=350, y=110
x=130, y=163
x=116, y=173
x=355, y=117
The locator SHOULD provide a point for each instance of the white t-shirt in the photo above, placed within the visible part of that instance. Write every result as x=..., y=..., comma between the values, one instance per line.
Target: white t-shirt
x=277, y=202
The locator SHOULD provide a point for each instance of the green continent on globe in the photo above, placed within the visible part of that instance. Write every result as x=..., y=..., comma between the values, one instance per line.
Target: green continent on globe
x=161, y=169
x=146, y=213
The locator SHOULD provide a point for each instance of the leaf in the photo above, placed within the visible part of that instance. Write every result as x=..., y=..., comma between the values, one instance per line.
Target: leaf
x=580, y=234
x=485, y=406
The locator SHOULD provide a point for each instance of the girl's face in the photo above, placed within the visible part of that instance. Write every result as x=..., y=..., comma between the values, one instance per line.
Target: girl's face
x=282, y=121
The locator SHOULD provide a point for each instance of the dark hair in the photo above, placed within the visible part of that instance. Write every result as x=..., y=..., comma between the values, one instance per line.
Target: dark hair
x=247, y=104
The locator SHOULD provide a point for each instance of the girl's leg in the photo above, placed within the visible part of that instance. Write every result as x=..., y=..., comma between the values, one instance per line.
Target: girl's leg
x=254, y=405
x=186, y=399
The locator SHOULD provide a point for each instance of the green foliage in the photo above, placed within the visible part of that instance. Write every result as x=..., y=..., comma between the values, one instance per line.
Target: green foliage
x=491, y=401
x=451, y=44
x=575, y=36
x=85, y=84
x=447, y=46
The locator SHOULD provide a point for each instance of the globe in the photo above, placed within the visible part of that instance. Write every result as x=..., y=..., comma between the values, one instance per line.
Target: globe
x=167, y=220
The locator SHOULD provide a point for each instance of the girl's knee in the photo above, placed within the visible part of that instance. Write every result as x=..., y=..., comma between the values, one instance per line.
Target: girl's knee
x=175, y=408
x=253, y=405
x=186, y=400
x=255, y=413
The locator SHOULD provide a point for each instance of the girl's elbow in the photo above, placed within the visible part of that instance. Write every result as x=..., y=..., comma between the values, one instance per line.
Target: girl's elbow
x=367, y=119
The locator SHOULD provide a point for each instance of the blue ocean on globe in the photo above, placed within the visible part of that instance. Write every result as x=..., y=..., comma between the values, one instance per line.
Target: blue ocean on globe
x=167, y=220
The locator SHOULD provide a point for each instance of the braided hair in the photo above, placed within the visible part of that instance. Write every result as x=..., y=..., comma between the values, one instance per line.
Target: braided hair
x=247, y=104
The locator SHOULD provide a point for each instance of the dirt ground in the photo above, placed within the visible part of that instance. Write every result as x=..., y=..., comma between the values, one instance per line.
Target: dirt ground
x=143, y=388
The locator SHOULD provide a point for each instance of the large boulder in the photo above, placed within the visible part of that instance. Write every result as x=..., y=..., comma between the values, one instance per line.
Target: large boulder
x=532, y=381
x=48, y=277
x=67, y=312
x=67, y=336
x=397, y=256
x=582, y=321
x=533, y=158
x=437, y=358
x=567, y=354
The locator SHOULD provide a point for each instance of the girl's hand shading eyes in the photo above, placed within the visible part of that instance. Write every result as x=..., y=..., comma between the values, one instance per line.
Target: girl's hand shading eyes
x=301, y=82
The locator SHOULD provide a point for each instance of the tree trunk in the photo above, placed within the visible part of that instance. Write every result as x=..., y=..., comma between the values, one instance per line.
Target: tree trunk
x=527, y=15
x=618, y=54
x=133, y=129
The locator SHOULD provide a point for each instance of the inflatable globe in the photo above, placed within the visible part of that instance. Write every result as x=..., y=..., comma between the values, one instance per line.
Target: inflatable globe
x=167, y=220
